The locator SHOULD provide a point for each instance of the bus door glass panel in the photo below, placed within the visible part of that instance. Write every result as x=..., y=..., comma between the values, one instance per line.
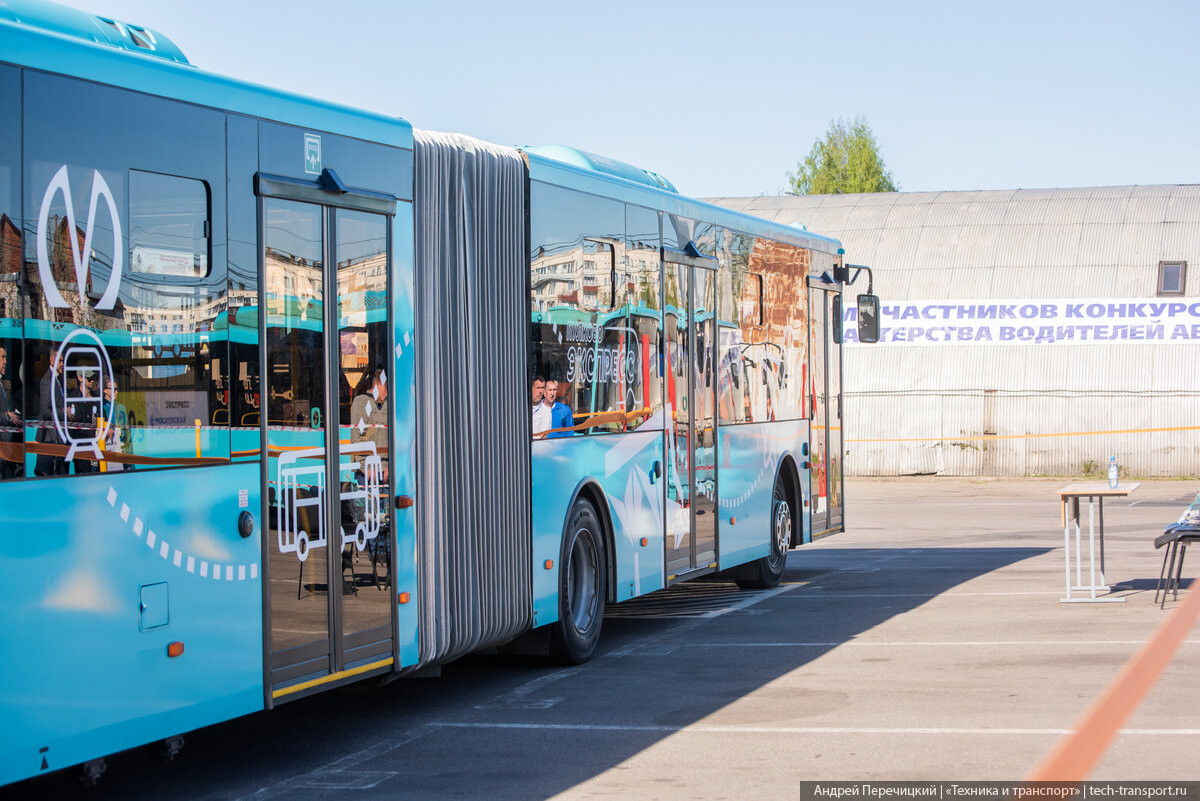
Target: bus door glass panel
x=817, y=391
x=678, y=473
x=643, y=385
x=834, y=377
x=703, y=395
x=364, y=385
x=294, y=405
x=12, y=406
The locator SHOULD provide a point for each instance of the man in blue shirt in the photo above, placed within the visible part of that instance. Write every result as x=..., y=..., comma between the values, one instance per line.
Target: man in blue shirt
x=560, y=414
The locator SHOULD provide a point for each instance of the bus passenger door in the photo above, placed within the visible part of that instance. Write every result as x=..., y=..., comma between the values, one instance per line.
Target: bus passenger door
x=326, y=436
x=677, y=352
x=690, y=342
x=825, y=401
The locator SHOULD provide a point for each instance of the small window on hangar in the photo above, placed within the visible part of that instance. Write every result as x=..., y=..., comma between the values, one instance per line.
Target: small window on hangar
x=1172, y=277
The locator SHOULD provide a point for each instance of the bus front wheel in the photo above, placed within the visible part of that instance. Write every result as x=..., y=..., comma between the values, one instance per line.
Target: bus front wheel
x=581, y=587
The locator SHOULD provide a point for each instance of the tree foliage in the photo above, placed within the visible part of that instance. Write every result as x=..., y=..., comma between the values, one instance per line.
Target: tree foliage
x=846, y=160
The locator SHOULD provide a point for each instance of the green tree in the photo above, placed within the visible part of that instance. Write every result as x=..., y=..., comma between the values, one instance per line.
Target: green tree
x=846, y=160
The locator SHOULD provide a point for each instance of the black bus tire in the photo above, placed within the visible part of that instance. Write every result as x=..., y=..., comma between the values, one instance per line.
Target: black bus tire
x=767, y=571
x=581, y=587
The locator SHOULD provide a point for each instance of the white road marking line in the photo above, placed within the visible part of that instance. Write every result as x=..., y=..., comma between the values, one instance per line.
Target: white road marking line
x=339, y=774
x=823, y=593
x=520, y=693
x=921, y=644
x=770, y=730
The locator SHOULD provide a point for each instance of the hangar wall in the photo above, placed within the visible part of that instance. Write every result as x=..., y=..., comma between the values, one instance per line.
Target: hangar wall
x=1026, y=334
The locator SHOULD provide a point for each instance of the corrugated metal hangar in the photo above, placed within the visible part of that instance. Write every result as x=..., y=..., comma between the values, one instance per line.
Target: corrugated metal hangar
x=1025, y=332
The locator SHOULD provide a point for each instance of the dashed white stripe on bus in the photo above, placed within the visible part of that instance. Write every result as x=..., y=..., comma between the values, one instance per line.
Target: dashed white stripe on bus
x=174, y=554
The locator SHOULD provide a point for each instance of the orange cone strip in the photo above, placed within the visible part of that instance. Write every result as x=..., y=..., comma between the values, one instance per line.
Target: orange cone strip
x=1076, y=754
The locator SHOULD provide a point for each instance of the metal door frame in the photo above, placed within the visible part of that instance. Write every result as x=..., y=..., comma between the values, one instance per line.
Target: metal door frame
x=832, y=405
x=273, y=187
x=691, y=258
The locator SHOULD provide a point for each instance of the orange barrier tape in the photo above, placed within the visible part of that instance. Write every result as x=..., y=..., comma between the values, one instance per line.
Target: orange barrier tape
x=1076, y=754
x=1030, y=436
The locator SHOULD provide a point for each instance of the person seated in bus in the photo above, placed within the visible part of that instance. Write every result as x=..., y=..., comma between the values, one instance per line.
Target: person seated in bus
x=560, y=413
x=113, y=413
x=370, y=409
x=10, y=423
x=540, y=411
x=51, y=394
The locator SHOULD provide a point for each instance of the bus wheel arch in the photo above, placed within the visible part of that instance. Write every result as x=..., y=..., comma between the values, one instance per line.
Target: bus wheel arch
x=767, y=571
x=582, y=582
x=791, y=478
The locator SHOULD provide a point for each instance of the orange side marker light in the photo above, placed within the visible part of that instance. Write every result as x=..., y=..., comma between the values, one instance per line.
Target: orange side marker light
x=404, y=501
x=403, y=597
x=549, y=564
x=175, y=649
x=645, y=542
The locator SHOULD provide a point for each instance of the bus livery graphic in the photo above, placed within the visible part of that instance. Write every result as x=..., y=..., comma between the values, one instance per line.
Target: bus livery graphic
x=80, y=257
x=301, y=489
x=82, y=356
x=301, y=485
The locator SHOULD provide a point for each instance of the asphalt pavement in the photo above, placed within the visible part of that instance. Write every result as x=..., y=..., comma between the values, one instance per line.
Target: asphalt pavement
x=928, y=641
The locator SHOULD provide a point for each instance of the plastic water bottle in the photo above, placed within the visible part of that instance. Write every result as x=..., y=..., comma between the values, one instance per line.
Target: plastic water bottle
x=1112, y=472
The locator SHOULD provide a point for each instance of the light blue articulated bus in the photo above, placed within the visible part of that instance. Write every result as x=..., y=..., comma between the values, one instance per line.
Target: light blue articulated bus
x=275, y=377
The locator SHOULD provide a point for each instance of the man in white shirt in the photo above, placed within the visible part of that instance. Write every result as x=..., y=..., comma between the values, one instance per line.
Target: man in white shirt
x=541, y=412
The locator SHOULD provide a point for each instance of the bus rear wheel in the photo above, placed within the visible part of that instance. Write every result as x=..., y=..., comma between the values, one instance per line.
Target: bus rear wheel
x=767, y=571
x=581, y=587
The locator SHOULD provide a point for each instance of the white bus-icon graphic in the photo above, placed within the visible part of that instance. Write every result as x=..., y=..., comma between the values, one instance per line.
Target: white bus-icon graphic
x=82, y=355
x=301, y=479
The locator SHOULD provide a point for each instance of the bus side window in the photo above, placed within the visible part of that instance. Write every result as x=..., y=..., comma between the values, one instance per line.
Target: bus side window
x=132, y=371
x=12, y=400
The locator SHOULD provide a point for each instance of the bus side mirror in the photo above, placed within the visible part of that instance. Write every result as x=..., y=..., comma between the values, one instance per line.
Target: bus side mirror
x=868, y=318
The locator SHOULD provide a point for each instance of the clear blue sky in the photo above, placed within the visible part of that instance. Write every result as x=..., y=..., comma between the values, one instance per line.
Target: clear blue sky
x=724, y=97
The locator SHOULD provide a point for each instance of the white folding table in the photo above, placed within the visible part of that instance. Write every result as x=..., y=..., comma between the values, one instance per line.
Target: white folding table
x=1095, y=492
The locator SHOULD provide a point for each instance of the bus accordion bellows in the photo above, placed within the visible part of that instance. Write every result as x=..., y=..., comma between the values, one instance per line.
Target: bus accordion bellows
x=242, y=331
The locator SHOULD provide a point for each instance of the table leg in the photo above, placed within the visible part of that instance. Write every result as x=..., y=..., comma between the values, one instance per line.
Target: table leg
x=1079, y=549
x=1092, y=546
x=1067, y=542
x=1103, y=581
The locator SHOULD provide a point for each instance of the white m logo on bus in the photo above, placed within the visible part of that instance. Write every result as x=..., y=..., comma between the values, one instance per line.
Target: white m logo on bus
x=82, y=259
